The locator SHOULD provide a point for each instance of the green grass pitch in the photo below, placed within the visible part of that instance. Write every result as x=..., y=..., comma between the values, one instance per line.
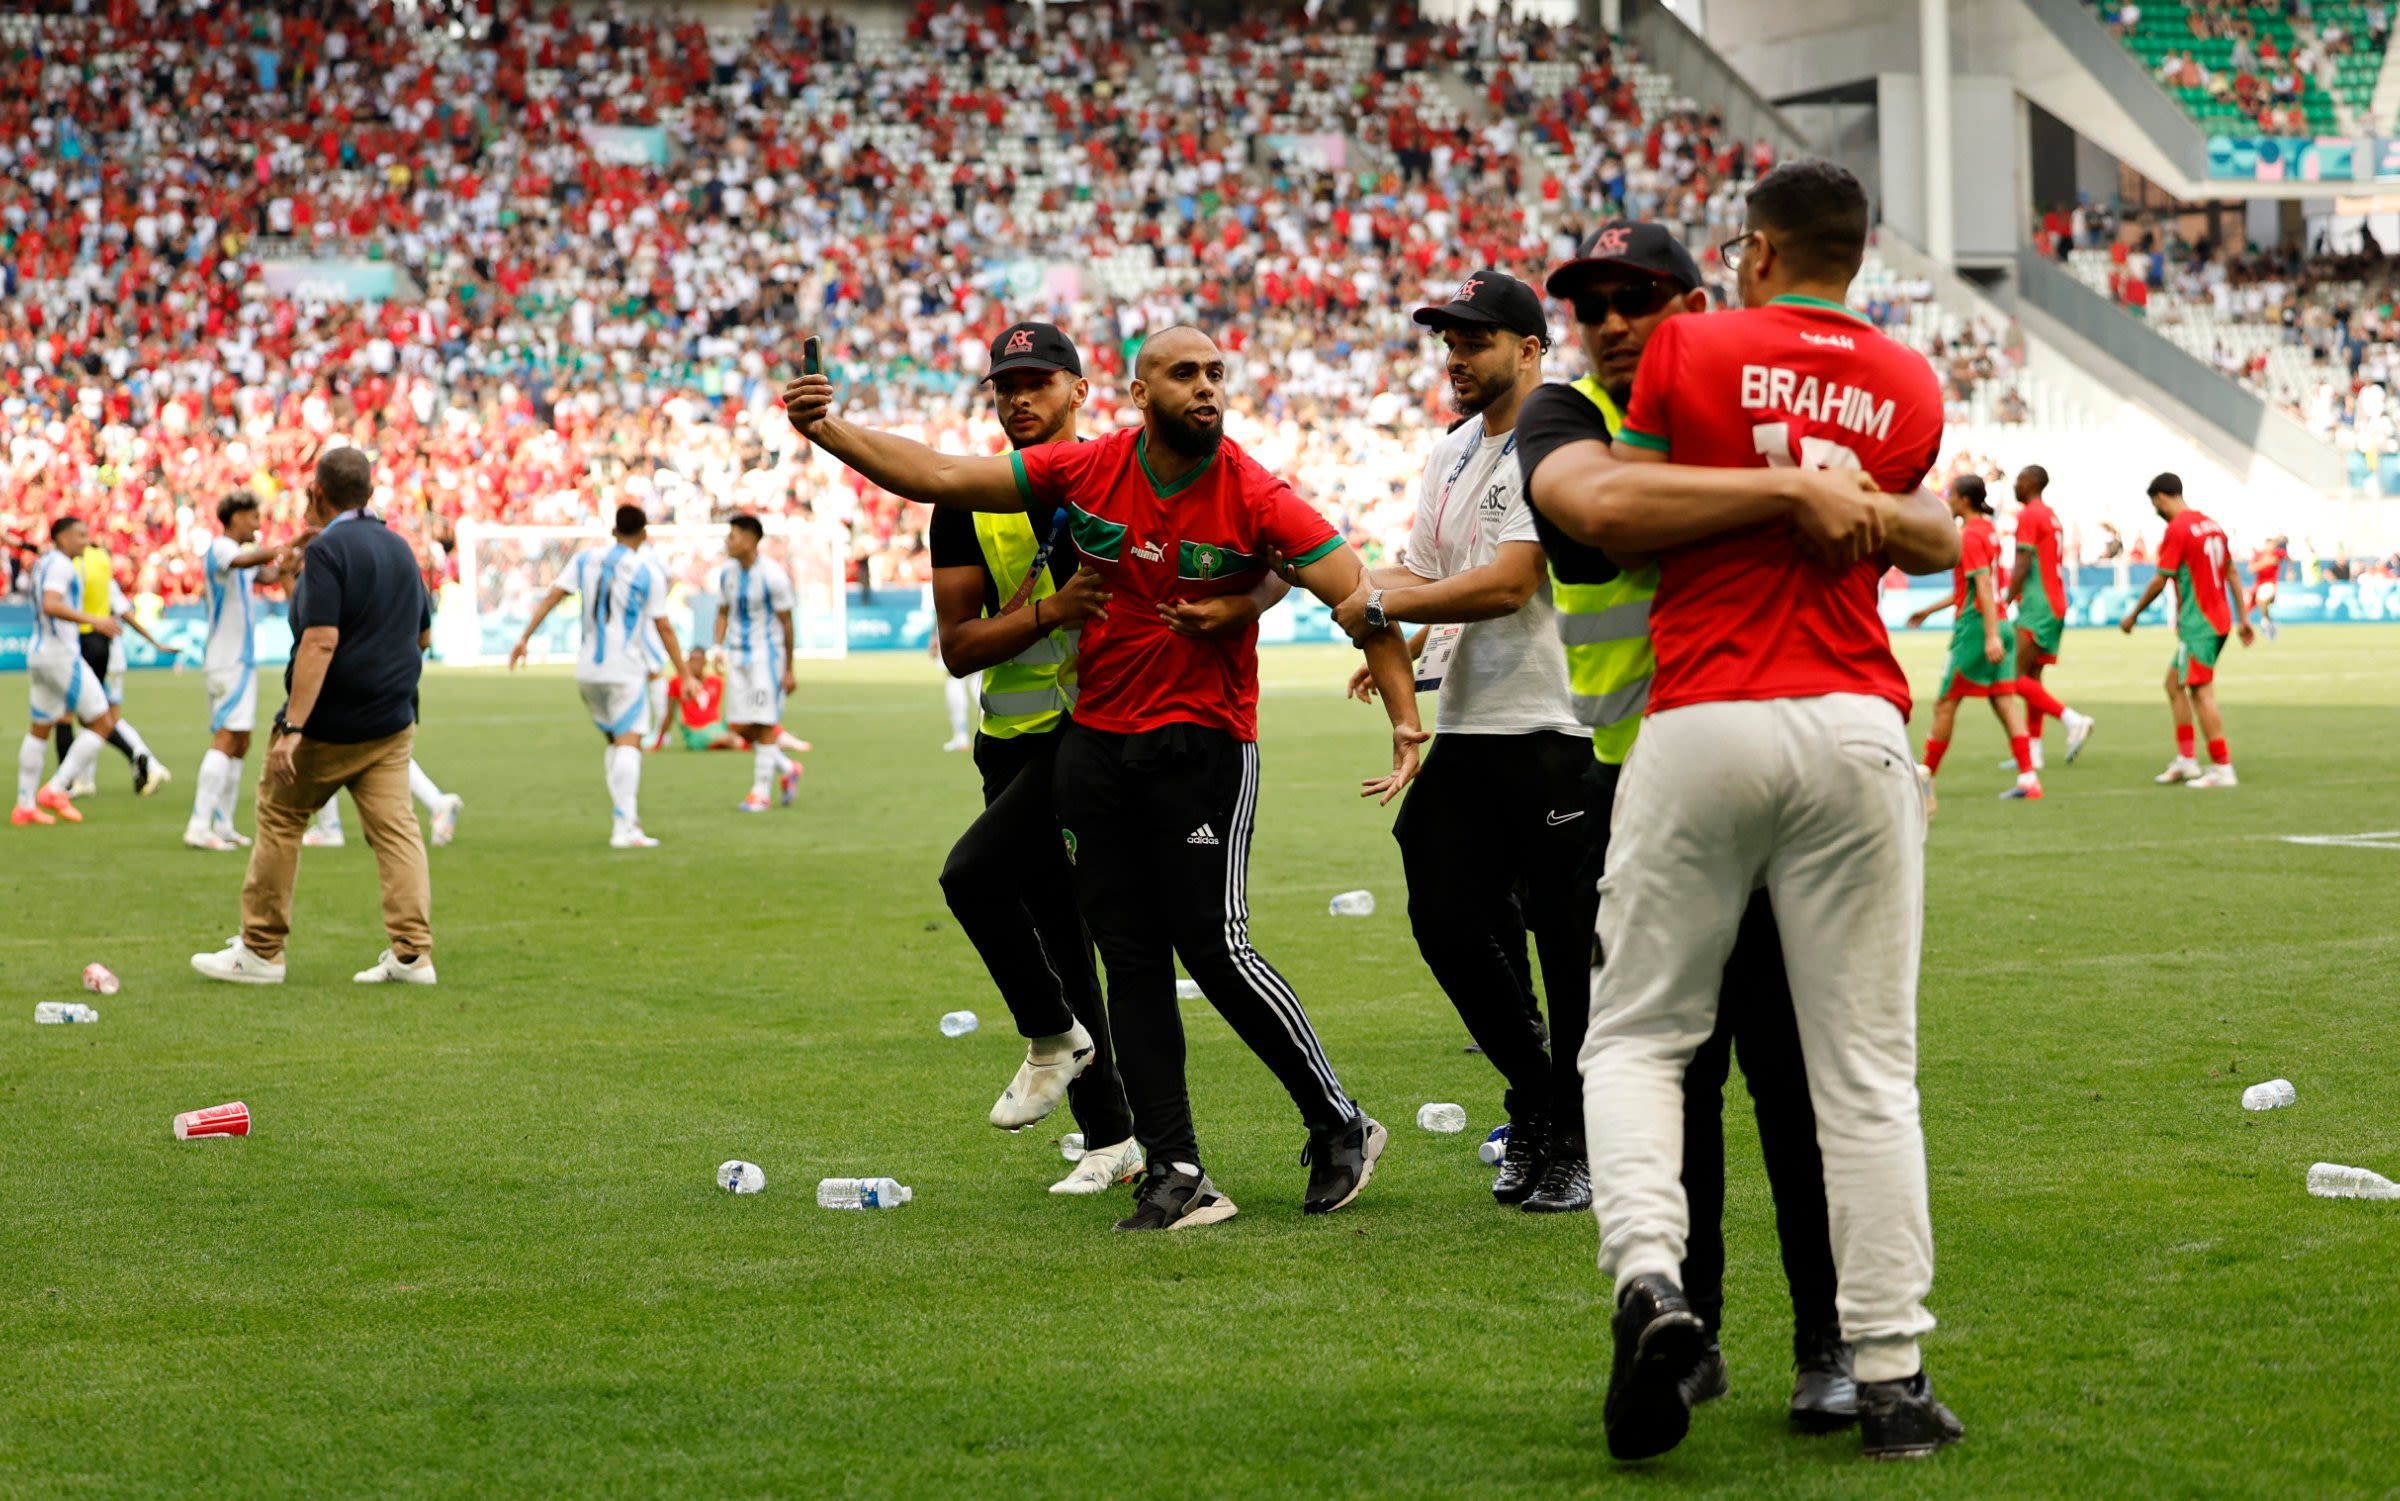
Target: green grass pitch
x=475, y=1248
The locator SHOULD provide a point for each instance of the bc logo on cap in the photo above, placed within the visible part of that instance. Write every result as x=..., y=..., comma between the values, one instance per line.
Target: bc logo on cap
x=1612, y=242
x=1467, y=288
x=1020, y=342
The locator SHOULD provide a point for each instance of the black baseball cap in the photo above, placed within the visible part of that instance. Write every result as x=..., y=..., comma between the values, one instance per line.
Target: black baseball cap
x=1034, y=346
x=1627, y=245
x=1491, y=297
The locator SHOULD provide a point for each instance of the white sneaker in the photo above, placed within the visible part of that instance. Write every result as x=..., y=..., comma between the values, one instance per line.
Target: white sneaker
x=445, y=819
x=2215, y=776
x=1925, y=785
x=1042, y=1082
x=151, y=774
x=315, y=839
x=1103, y=1170
x=958, y=743
x=2079, y=729
x=87, y=787
x=223, y=828
x=389, y=970
x=631, y=838
x=197, y=837
x=2181, y=769
x=238, y=966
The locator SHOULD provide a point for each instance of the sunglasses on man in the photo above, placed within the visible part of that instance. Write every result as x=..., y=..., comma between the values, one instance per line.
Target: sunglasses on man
x=1630, y=302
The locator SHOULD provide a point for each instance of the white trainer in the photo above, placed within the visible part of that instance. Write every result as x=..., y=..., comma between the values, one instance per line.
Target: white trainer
x=1042, y=1079
x=223, y=828
x=152, y=774
x=2215, y=776
x=2181, y=769
x=201, y=837
x=445, y=819
x=315, y=839
x=88, y=787
x=1103, y=1170
x=236, y=965
x=631, y=837
x=388, y=970
x=2079, y=729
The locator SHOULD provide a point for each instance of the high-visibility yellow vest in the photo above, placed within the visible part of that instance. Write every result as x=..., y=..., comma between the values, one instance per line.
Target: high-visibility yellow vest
x=1028, y=693
x=1606, y=631
x=93, y=565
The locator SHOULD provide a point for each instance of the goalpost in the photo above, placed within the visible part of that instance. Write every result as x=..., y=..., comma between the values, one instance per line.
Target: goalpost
x=503, y=572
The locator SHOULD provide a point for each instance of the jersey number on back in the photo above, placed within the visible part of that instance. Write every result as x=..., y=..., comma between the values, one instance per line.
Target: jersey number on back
x=1773, y=442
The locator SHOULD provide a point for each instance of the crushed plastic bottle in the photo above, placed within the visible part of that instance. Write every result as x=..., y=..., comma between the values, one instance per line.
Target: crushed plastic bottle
x=959, y=1023
x=1352, y=904
x=862, y=1193
x=52, y=1013
x=1494, y=1147
x=1445, y=1118
x=1070, y=1146
x=2272, y=1095
x=739, y=1177
x=2331, y=1180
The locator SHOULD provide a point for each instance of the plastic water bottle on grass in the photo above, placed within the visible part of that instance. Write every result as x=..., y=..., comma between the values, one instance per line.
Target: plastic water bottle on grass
x=862, y=1193
x=1444, y=1118
x=2272, y=1095
x=53, y=1013
x=2331, y=1180
x=1070, y=1146
x=1352, y=904
x=959, y=1023
x=1188, y=990
x=1494, y=1147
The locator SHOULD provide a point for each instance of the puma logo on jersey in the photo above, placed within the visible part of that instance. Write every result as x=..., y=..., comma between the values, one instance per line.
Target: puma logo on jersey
x=1149, y=552
x=1830, y=341
x=1202, y=835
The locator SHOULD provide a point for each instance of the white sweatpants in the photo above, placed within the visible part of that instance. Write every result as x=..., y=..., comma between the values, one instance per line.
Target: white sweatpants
x=1816, y=799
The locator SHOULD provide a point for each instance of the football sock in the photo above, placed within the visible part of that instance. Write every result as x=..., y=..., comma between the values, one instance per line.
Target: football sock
x=2184, y=738
x=624, y=768
x=64, y=734
x=762, y=771
x=127, y=740
x=2021, y=747
x=1934, y=751
x=2040, y=700
x=2217, y=752
x=77, y=764
x=216, y=769
x=2033, y=724
x=30, y=755
x=421, y=786
x=960, y=696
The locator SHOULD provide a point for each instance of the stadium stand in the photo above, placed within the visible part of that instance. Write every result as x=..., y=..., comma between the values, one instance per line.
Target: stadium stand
x=2251, y=69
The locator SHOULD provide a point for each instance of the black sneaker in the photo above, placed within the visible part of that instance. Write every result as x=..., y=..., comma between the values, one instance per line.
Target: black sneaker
x=1824, y=1395
x=1661, y=1345
x=1176, y=1197
x=1521, y=1166
x=1566, y=1185
x=1901, y=1419
x=1710, y=1381
x=1340, y=1162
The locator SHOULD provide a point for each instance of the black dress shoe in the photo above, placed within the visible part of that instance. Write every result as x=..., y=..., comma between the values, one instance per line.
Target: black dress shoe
x=1566, y=1186
x=1902, y=1420
x=1521, y=1166
x=1710, y=1381
x=1661, y=1344
x=1824, y=1395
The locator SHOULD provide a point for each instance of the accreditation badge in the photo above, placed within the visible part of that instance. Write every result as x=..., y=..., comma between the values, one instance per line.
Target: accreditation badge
x=1433, y=664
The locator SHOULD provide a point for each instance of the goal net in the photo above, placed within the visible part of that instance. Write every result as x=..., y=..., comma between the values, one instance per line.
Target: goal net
x=503, y=572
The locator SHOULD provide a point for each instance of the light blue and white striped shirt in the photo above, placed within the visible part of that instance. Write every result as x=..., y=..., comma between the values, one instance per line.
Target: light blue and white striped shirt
x=622, y=591
x=752, y=598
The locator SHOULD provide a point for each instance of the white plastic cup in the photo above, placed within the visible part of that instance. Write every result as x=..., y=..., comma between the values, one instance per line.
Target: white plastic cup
x=959, y=1023
x=99, y=980
x=1447, y=1119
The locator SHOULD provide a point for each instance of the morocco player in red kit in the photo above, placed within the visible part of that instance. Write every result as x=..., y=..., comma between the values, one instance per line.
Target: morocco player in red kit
x=2196, y=556
x=1775, y=754
x=2040, y=594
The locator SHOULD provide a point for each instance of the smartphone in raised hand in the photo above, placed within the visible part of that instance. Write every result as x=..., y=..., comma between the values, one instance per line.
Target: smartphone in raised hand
x=812, y=356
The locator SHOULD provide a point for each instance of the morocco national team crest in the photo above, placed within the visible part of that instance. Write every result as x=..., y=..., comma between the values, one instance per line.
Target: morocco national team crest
x=1020, y=342
x=1207, y=561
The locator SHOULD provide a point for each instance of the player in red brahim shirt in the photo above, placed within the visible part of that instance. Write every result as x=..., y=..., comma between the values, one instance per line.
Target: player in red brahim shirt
x=1157, y=782
x=2196, y=556
x=1775, y=753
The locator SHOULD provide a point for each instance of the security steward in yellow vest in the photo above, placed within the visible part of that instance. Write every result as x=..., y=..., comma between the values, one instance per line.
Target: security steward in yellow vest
x=1626, y=280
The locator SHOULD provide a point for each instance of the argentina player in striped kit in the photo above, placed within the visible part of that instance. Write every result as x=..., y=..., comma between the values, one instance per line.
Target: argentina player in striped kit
x=236, y=565
x=622, y=589
x=754, y=637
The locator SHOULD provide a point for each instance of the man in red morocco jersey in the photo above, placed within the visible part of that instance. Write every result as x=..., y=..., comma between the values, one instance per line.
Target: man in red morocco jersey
x=2039, y=592
x=2195, y=554
x=2266, y=571
x=1775, y=753
x=1157, y=782
x=1978, y=652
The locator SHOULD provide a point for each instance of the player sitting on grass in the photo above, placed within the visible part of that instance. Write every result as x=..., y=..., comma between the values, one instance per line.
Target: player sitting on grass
x=1979, y=665
x=696, y=719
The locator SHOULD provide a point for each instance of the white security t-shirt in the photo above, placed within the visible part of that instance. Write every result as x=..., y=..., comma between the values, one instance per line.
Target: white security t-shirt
x=1508, y=676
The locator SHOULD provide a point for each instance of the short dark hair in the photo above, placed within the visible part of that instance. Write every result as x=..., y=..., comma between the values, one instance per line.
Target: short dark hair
x=743, y=521
x=233, y=505
x=1971, y=487
x=2037, y=476
x=632, y=521
x=58, y=528
x=2167, y=483
x=1817, y=212
x=347, y=477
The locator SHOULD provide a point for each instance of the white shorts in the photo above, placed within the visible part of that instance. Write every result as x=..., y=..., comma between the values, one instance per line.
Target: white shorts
x=66, y=689
x=233, y=700
x=618, y=708
x=753, y=695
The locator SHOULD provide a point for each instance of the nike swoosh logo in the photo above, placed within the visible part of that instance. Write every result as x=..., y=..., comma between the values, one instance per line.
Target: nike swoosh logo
x=1556, y=819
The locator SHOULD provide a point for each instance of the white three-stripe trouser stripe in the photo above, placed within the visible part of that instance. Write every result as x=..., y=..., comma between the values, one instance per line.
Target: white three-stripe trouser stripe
x=1264, y=982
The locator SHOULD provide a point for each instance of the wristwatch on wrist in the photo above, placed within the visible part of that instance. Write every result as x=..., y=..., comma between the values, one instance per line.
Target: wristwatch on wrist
x=1375, y=616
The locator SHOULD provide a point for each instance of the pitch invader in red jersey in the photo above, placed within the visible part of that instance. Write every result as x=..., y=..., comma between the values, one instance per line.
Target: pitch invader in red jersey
x=2208, y=597
x=2039, y=592
x=1978, y=645
x=2266, y=570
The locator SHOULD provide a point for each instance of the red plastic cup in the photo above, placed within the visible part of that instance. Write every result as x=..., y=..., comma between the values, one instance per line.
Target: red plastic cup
x=98, y=980
x=216, y=1120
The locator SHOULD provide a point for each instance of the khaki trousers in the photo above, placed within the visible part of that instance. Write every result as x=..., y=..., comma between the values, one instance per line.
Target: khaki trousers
x=376, y=772
x=1816, y=800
